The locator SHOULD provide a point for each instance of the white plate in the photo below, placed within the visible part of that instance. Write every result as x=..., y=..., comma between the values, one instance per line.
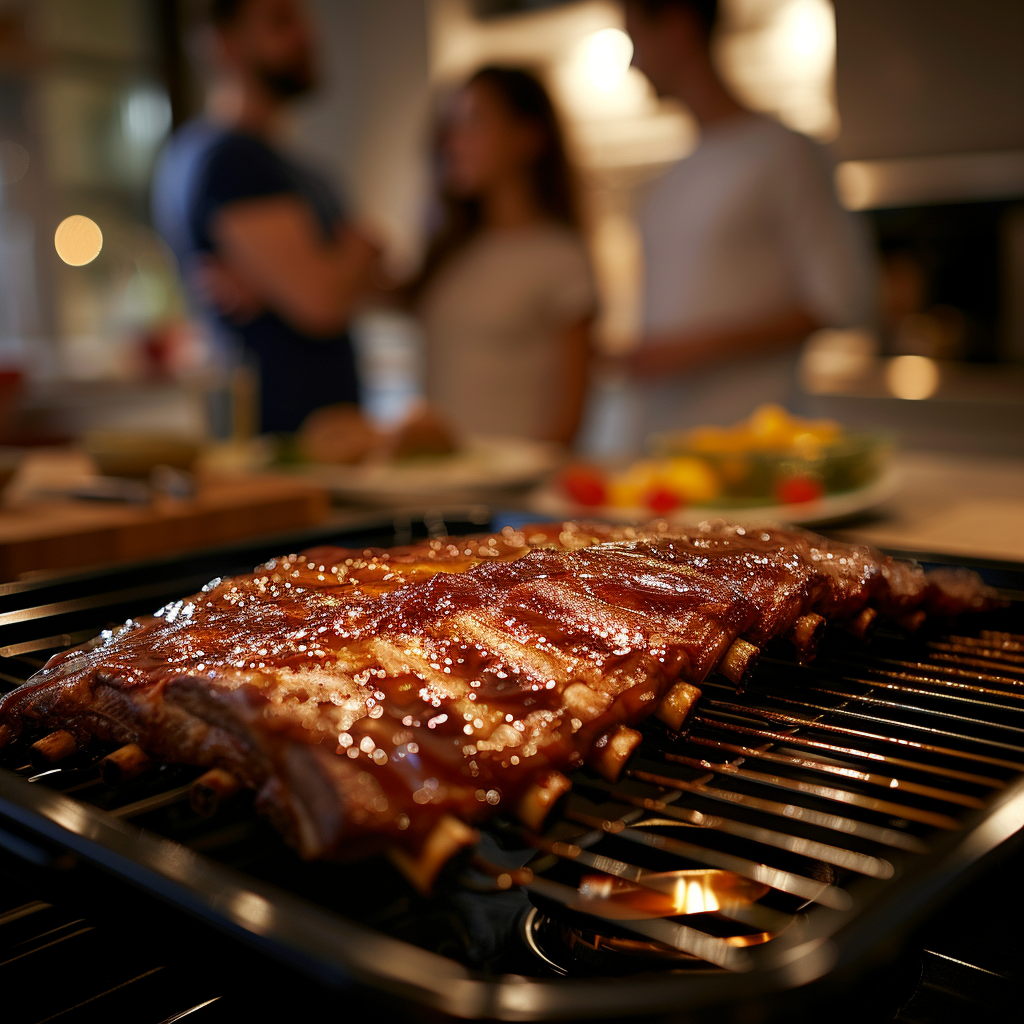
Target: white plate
x=484, y=464
x=831, y=508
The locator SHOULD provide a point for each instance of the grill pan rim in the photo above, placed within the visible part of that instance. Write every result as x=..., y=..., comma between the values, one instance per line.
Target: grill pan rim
x=300, y=933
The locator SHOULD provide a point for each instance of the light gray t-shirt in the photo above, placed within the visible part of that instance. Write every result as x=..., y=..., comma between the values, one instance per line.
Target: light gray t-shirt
x=745, y=227
x=493, y=317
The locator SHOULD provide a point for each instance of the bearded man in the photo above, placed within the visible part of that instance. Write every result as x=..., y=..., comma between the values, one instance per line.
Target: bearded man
x=264, y=246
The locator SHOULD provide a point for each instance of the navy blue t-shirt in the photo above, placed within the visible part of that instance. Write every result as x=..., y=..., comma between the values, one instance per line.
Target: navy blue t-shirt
x=204, y=168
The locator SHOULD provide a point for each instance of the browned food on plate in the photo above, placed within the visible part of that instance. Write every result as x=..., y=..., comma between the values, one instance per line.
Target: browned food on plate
x=378, y=699
x=424, y=431
x=338, y=434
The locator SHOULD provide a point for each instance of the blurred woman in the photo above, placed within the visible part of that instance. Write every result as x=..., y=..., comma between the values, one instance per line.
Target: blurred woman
x=506, y=295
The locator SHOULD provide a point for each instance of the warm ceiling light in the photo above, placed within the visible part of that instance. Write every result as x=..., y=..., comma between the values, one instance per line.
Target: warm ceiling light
x=606, y=58
x=808, y=31
x=912, y=377
x=78, y=240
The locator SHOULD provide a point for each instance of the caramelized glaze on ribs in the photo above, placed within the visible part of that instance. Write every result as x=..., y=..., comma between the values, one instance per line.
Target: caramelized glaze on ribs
x=367, y=694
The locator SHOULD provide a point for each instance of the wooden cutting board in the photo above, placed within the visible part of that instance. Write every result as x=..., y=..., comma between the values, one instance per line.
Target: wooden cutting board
x=38, y=534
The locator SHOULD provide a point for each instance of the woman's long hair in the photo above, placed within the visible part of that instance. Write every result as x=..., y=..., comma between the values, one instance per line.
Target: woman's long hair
x=553, y=180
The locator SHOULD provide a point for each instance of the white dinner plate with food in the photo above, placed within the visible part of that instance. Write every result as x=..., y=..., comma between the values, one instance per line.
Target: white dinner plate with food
x=482, y=465
x=550, y=501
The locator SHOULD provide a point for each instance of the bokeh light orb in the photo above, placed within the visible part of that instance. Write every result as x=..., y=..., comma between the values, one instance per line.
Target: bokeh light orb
x=78, y=240
x=912, y=377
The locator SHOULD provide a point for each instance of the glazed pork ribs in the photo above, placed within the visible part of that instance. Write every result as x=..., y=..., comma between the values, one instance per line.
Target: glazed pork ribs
x=385, y=699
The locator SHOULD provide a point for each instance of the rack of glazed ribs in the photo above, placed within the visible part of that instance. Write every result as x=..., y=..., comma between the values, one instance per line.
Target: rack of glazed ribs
x=723, y=762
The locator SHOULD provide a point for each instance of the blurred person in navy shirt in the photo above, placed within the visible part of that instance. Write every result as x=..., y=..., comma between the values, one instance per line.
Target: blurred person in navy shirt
x=262, y=241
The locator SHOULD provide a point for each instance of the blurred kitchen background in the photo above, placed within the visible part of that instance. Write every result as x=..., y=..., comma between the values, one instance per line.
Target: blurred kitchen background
x=921, y=102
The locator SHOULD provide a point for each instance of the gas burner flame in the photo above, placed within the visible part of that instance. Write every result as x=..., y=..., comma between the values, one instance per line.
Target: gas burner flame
x=674, y=893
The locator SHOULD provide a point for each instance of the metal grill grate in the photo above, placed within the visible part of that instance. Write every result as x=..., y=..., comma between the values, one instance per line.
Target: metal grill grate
x=817, y=781
x=843, y=795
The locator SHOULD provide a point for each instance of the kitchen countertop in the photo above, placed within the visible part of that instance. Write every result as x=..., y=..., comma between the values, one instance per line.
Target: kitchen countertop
x=965, y=505
x=45, y=531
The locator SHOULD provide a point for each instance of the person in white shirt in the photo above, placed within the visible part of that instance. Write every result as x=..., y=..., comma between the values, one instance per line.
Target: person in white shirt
x=506, y=296
x=746, y=247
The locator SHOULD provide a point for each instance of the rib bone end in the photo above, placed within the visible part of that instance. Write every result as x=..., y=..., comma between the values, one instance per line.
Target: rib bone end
x=677, y=705
x=445, y=840
x=738, y=660
x=805, y=633
x=53, y=748
x=536, y=803
x=123, y=764
x=913, y=621
x=612, y=750
x=863, y=624
x=211, y=789
x=584, y=702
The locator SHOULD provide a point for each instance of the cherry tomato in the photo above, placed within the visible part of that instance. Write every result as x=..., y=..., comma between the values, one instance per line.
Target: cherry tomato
x=661, y=499
x=585, y=485
x=797, y=489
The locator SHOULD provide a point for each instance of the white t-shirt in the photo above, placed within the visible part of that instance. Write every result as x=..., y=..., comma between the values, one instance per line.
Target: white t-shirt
x=746, y=227
x=493, y=317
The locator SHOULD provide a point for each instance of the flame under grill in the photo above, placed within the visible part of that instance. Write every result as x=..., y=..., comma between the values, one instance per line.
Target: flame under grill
x=824, y=801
